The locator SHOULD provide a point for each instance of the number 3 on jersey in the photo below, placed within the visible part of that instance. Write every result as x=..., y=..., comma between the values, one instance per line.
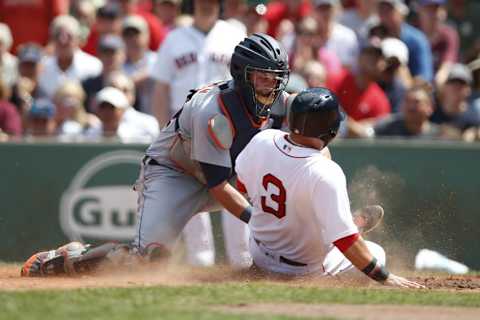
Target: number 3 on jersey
x=280, y=196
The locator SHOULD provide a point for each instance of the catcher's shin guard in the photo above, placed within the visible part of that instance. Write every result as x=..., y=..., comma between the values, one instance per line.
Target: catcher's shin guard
x=91, y=259
x=76, y=258
x=51, y=262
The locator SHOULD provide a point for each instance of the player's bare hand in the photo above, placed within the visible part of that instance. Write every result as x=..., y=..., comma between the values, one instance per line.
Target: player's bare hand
x=396, y=281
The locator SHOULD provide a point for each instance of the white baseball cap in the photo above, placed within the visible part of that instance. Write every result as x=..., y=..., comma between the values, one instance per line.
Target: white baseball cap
x=112, y=96
x=135, y=22
x=393, y=47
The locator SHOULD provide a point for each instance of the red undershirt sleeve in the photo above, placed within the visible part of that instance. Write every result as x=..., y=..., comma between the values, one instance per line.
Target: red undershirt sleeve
x=345, y=243
x=240, y=186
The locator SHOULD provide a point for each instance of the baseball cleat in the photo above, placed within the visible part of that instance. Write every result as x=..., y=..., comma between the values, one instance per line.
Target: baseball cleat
x=368, y=218
x=52, y=262
x=32, y=267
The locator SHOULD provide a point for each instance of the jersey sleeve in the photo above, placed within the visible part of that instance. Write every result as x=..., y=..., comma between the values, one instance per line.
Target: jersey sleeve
x=204, y=148
x=164, y=67
x=332, y=206
x=214, y=174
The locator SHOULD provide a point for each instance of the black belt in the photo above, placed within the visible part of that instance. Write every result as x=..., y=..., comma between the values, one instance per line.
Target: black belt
x=150, y=161
x=283, y=259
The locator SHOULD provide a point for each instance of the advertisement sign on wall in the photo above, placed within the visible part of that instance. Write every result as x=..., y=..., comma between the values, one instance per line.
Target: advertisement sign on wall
x=106, y=212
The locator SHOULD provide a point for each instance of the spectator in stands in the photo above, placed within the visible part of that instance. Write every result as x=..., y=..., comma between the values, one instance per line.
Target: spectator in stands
x=167, y=12
x=30, y=20
x=110, y=104
x=247, y=15
x=309, y=45
x=395, y=78
x=177, y=67
x=453, y=104
x=336, y=37
x=473, y=134
x=124, y=83
x=155, y=27
x=290, y=11
x=360, y=18
x=8, y=62
x=10, y=121
x=464, y=15
x=444, y=42
x=41, y=119
x=72, y=120
x=413, y=120
x=111, y=52
x=108, y=22
x=68, y=61
x=139, y=60
x=474, y=67
x=315, y=74
x=26, y=88
x=359, y=94
x=303, y=48
x=120, y=120
x=234, y=12
x=85, y=13
x=392, y=15
x=254, y=17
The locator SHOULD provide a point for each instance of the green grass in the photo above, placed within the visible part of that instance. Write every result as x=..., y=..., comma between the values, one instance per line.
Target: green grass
x=198, y=301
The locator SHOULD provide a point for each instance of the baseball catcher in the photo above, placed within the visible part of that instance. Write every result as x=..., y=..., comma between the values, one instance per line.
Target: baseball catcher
x=188, y=169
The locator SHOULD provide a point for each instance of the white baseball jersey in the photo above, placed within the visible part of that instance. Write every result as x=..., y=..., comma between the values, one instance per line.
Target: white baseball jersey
x=299, y=197
x=83, y=66
x=189, y=59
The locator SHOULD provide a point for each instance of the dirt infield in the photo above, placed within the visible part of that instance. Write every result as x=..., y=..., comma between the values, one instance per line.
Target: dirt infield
x=175, y=275
x=469, y=282
x=10, y=280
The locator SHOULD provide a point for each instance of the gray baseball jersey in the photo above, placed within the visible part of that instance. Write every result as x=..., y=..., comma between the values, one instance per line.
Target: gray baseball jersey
x=192, y=124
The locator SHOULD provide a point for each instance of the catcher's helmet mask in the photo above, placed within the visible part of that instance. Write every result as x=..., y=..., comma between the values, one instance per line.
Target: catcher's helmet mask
x=263, y=54
x=316, y=113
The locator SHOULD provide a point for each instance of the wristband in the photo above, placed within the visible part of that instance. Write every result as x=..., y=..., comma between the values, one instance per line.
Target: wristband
x=246, y=214
x=376, y=271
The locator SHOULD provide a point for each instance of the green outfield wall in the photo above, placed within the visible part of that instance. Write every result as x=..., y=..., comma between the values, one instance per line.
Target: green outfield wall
x=52, y=192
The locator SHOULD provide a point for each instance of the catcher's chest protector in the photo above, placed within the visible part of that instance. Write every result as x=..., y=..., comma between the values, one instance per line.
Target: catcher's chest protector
x=244, y=126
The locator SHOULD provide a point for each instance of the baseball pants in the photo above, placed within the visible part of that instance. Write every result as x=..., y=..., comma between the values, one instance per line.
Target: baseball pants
x=334, y=264
x=169, y=201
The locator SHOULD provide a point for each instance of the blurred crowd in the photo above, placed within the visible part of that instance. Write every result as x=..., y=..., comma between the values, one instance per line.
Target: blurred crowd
x=90, y=69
